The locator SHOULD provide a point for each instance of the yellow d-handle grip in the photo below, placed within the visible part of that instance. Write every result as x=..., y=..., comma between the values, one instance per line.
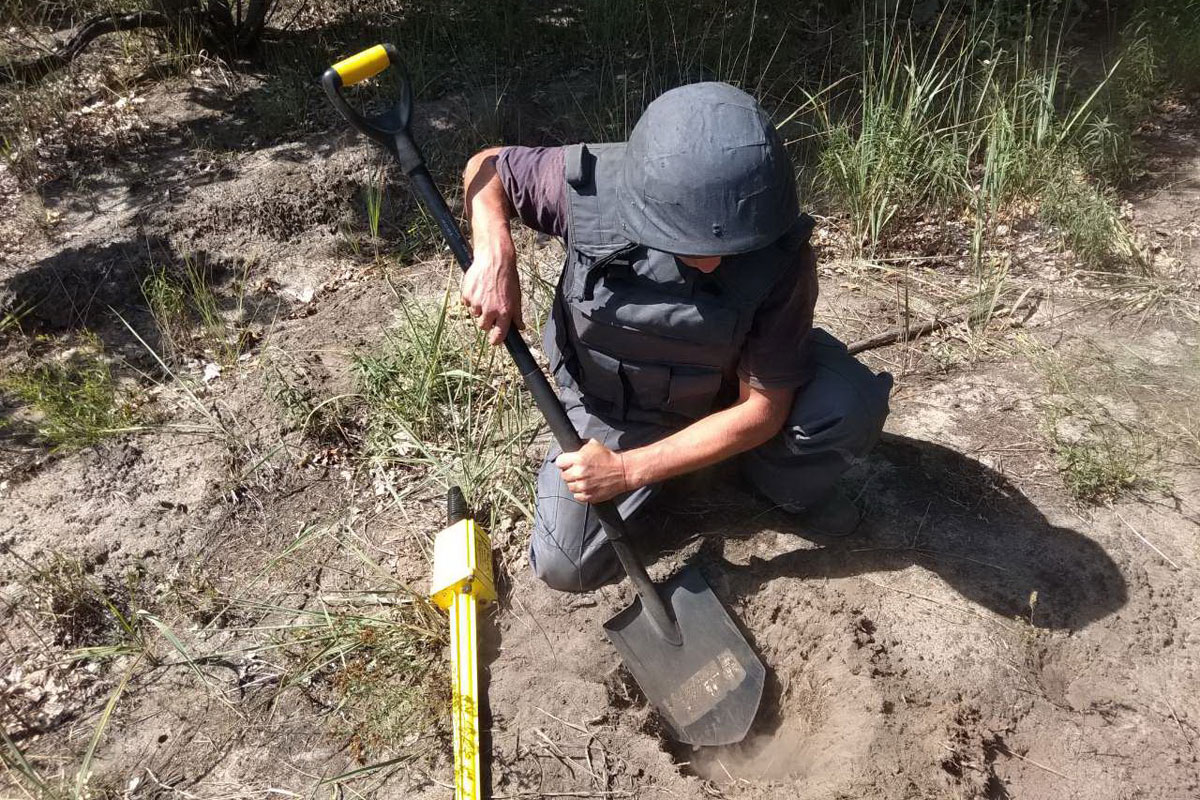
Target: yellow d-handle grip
x=367, y=64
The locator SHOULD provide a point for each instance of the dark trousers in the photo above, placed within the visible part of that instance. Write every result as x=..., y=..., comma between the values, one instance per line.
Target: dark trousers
x=835, y=418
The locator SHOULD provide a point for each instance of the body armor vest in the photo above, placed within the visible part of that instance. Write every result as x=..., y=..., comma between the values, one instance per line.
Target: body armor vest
x=642, y=336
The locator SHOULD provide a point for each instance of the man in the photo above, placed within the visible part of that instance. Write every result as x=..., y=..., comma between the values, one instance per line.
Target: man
x=681, y=333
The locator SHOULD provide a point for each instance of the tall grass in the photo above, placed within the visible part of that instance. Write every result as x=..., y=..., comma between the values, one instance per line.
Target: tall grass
x=1164, y=38
x=442, y=405
x=962, y=120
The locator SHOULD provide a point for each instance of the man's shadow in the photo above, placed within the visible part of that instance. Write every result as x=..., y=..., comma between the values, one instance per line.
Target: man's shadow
x=937, y=508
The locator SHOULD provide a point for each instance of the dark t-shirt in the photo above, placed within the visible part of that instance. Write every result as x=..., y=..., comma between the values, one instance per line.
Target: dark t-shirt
x=775, y=353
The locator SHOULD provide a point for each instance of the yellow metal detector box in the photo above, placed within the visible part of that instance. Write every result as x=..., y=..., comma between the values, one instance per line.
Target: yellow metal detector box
x=462, y=563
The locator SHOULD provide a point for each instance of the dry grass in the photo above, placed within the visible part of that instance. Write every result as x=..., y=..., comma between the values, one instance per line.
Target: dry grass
x=1104, y=422
x=442, y=406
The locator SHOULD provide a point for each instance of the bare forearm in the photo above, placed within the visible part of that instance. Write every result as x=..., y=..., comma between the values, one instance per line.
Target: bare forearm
x=491, y=289
x=488, y=209
x=714, y=438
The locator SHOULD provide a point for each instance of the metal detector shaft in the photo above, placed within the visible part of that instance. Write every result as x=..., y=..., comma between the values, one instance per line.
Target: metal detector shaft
x=552, y=409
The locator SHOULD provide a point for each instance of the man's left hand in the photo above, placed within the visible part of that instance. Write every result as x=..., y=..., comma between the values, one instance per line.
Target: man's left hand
x=593, y=473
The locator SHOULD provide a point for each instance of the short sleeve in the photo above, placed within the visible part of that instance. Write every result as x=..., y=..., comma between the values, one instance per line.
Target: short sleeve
x=776, y=351
x=533, y=179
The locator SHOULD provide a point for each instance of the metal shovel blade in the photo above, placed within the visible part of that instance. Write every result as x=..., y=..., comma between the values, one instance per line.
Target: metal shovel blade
x=708, y=688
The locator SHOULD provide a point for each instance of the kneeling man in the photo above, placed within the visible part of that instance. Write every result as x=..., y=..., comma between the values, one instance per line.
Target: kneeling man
x=682, y=328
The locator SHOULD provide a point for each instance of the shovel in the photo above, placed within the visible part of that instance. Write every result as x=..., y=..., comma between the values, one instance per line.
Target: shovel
x=687, y=655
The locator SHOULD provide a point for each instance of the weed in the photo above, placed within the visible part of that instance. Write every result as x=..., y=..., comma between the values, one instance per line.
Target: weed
x=75, y=397
x=92, y=617
x=180, y=302
x=440, y=400
x=373, y=197
x=1099, y=454
x=168, y=304
x=1111, y=462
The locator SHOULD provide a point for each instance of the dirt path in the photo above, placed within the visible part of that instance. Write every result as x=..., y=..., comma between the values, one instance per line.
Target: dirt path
x=984, y=635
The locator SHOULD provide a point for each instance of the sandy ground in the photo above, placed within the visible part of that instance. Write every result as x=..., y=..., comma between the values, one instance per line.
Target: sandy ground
x=982, y=635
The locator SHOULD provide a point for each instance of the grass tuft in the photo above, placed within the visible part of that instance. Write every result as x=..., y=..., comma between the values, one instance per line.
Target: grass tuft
x=441, y=405
x=1101, y=451
x=188, y=311
x=1113, y=463
x=91, y=617
x=74, y=397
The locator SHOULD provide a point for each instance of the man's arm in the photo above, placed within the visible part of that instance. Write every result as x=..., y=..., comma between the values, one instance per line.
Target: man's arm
x=595, y=473
x=491, y=288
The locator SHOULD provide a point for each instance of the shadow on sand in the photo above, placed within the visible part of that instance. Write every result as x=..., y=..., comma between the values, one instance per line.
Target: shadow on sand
x=935, y=507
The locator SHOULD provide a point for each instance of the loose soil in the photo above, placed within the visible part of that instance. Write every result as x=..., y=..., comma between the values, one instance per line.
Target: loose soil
x=982, y=635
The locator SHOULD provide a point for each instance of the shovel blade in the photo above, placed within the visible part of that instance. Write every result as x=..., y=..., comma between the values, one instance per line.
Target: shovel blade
x=708, y=688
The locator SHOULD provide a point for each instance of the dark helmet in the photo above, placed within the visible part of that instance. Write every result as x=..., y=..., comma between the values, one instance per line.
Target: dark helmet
x=705, y=174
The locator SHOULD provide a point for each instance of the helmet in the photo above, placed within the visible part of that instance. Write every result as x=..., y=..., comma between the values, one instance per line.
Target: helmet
x=705, y=174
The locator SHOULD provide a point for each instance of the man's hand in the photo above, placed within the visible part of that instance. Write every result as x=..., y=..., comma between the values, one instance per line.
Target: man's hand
x=490, y=289
x=593, y=473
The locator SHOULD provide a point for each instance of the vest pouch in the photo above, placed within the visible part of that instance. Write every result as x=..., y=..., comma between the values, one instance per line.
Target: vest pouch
x=586, y=265
x=645, y=309
x=694, y=392
x=599, y=376
x=647, y=386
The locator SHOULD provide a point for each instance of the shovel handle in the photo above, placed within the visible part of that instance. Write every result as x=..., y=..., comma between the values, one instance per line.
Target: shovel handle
x=392, y=132
x=390, y=129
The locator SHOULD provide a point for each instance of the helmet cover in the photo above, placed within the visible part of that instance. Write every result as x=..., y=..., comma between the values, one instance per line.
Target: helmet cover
x=706, y=174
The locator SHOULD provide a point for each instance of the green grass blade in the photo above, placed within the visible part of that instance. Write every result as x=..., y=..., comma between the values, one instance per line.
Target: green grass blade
x=85, y=767
x=13, y=757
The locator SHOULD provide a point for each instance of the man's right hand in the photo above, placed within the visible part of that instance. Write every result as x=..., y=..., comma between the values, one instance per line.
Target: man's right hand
x=491, y=290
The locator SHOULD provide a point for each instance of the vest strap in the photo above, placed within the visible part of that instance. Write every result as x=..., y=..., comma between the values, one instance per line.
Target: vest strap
x=579, y=164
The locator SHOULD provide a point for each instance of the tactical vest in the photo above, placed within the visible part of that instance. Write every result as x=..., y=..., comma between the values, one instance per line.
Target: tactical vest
x=642, y=336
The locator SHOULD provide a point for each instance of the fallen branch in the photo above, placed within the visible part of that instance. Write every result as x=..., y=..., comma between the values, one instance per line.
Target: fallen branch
x=1145, y=541
x=907, y=334
x=1004, y=749
x=91, y=30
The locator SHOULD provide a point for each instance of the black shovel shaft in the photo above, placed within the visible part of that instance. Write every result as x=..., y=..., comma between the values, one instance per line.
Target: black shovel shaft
x=392, y=132
x=547, y=401
x=552, y=409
